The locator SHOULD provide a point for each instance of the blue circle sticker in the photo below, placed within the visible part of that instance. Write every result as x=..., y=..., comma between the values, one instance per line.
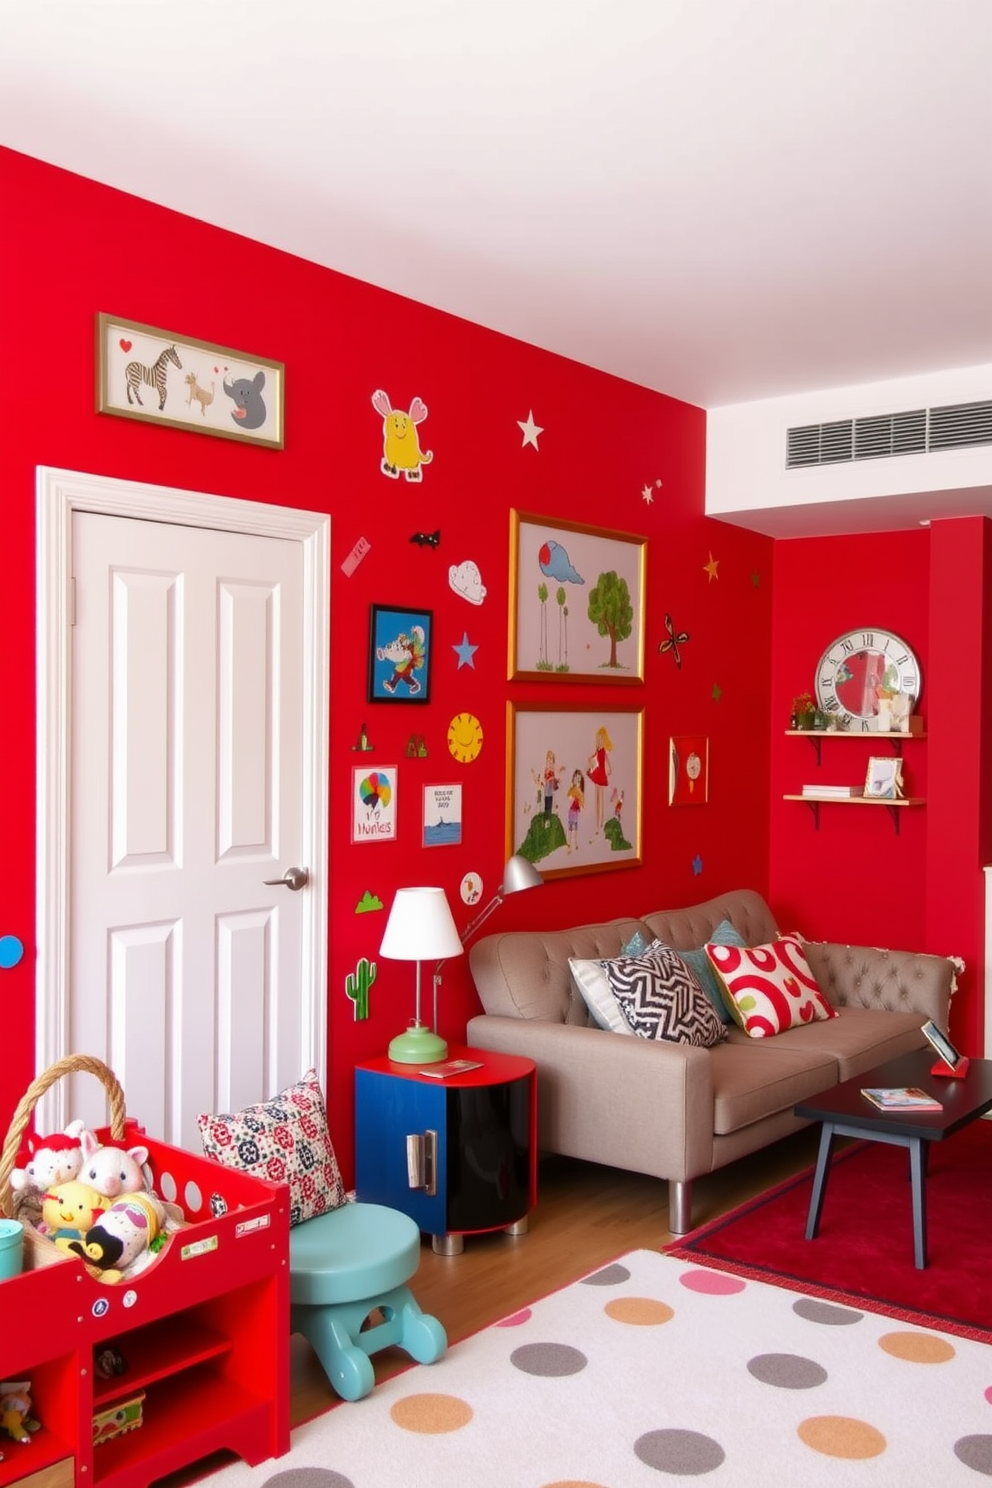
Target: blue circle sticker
x=11, y=951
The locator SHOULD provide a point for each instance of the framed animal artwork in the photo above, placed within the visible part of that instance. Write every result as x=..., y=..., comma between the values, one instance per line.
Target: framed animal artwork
x=150, y=374
x=400, y=654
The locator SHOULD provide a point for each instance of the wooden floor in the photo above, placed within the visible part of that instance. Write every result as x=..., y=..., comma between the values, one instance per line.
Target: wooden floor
x=585, y=1216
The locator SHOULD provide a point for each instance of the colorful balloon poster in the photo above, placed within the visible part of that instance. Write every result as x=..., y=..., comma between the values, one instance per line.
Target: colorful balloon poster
x=373, y=804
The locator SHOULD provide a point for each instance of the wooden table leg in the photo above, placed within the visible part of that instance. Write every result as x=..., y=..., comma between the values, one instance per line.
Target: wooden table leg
x=820, y=1179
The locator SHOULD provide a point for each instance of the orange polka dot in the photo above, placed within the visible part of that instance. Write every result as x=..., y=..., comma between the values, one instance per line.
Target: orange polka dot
x=431, y=1415
x=643, y=1312
x=842, y=1436
x=917, y=1348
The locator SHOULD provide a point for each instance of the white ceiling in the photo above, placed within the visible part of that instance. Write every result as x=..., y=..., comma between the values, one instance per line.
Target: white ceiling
x=720, y=199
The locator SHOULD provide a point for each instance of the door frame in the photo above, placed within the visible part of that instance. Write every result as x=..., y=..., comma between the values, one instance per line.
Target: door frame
x=60, y=493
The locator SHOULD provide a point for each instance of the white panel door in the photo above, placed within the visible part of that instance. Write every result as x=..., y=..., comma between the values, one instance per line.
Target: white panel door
x=185, y=795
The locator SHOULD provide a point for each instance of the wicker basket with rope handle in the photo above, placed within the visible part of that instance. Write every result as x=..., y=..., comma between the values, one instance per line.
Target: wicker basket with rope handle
x=88, y=1064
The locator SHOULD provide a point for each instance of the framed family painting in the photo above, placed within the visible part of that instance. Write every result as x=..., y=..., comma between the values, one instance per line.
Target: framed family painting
x=574, y=787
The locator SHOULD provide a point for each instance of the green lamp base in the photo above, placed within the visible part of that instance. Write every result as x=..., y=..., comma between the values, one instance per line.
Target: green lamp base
x=417, y=1046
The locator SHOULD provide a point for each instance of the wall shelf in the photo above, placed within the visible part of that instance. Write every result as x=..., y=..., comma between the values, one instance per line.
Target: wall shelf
x=893, y=807
x=816, y=737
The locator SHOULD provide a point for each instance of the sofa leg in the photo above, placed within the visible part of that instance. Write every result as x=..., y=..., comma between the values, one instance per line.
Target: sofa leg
x=679, y=1205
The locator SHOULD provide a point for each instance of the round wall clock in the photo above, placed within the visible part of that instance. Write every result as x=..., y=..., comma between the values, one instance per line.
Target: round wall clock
x=465, y=737
x=857, y=668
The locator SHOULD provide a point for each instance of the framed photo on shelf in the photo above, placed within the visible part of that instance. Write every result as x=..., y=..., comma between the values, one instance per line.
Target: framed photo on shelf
x=373, y=803
x=574, y=780
x=146, y=373
x=576, y=602
x=442, y=815
x=688, y=770
x=400, y=642
x=883, y=781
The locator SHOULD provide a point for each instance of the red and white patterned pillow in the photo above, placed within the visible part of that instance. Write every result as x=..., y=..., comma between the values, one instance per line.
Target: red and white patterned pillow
x=769, y=988
x=284, y=1140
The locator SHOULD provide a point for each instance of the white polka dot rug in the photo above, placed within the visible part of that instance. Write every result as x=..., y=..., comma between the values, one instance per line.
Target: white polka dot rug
x=654, y=1371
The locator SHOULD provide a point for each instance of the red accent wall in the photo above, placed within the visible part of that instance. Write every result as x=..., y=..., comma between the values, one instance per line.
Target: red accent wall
x=855, y=880
x=71, y=247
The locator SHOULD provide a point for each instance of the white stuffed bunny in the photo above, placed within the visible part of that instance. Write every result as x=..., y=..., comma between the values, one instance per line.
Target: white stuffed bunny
x=111, y=1170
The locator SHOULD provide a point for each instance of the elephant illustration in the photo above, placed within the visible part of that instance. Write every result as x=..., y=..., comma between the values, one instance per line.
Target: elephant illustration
x=249, y=406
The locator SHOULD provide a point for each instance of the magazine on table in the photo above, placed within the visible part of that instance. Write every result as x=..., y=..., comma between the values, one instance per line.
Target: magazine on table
x=450, y=1067
x=902, y=1098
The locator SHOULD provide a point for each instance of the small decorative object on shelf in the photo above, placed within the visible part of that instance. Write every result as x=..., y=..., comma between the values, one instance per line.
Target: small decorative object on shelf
x=883, y=781
x=123, y=1415
x=807, y=717
x=803, y=708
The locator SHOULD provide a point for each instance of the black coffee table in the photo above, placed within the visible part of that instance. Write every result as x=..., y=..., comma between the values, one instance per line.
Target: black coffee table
x=845, y=1112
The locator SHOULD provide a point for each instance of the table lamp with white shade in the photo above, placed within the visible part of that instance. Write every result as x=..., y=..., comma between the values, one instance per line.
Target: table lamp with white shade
x=420, y=928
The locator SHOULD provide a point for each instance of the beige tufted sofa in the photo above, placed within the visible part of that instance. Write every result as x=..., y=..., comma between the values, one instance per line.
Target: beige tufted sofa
x=671, y=1110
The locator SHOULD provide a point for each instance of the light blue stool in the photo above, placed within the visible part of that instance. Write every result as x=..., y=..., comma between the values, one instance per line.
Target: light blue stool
x=344, y=1265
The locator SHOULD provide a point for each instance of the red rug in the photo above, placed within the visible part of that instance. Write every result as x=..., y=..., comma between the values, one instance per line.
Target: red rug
x=863, y=1254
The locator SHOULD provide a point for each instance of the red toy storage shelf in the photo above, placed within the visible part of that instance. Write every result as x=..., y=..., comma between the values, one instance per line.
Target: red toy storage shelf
x=204, y=1331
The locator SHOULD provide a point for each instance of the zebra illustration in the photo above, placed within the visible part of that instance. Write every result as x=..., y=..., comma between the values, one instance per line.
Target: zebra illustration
x=137, y=373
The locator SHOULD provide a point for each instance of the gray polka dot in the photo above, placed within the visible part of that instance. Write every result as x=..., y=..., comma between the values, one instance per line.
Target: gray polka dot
x=688, y=1453
x=308, y=1477
x=975, y=1452
x=827, y=1313
x=548, y=1359
x=609, y=1276
x=787, y=1371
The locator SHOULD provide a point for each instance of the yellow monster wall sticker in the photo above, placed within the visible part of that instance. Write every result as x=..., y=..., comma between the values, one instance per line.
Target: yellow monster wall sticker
x=401, y=452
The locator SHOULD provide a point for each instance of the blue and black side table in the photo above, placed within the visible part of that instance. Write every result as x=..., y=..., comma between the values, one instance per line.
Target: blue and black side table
x=458, y=1155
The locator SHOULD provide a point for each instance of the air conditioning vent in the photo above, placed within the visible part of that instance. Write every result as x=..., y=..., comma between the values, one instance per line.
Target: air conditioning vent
x=880, y=436
x=890, y=434
x=820, y=444
x=958, y=425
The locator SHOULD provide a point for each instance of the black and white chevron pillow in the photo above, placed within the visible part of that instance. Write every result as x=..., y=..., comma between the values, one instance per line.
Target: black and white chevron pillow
x=661, y=999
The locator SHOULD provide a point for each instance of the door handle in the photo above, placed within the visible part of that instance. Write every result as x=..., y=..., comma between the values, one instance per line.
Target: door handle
x=421, y=1161
x=293, y=878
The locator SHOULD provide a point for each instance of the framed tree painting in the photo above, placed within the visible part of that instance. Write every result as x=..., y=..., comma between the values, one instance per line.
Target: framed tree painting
x=576, y=602
x=574, y=787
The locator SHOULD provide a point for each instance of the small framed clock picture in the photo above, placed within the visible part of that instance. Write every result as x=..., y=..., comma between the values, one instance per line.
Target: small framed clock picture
x=688, y=770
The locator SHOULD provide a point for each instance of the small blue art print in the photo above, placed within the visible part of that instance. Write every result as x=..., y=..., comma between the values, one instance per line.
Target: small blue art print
x=399, y=654
x=442, y=815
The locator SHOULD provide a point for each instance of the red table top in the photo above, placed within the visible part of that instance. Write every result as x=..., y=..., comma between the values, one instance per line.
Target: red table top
x=495, y=1068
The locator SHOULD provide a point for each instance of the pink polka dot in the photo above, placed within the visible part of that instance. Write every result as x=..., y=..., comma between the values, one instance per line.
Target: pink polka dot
x=515, y=1319
x=988, y=1394
x=712, y=1283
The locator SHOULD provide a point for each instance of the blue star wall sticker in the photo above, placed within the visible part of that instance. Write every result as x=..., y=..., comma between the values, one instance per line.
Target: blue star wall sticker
x=465, y=652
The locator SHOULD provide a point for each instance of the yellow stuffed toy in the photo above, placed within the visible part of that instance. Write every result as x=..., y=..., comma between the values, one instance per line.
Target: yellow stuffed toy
x=70, y=1209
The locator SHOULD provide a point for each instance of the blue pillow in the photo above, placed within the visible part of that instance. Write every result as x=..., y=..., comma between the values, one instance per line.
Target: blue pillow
x=724, y=934
x=636, y=945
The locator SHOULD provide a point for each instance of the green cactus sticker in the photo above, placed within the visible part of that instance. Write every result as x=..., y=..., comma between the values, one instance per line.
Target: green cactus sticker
x=357, y=984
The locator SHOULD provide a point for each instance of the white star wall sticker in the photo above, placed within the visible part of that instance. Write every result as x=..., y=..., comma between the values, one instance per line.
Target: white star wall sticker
x=531, y=430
